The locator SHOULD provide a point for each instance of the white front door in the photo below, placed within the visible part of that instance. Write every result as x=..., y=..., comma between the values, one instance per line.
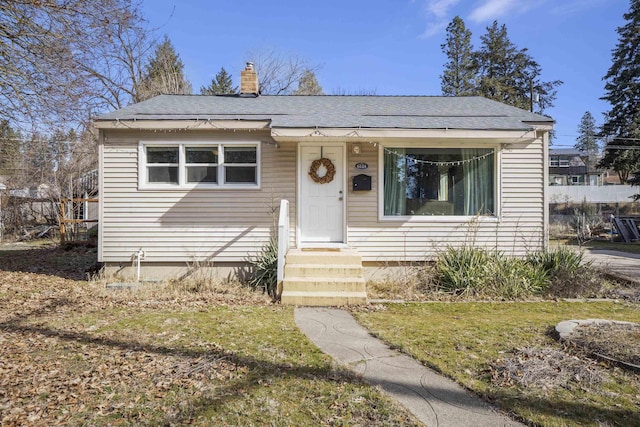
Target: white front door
x=321, y=205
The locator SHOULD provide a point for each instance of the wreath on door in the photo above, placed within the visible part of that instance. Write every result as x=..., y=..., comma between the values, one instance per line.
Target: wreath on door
x=328, y=176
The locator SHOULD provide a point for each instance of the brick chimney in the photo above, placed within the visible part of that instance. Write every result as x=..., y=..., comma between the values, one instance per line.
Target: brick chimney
x=249, y=80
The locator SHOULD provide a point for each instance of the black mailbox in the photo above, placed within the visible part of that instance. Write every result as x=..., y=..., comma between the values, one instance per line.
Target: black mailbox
x=362, y=182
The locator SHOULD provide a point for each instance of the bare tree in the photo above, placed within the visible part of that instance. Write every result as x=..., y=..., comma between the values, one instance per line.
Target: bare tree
x=61, y=62
x=356, y=92
x=115, y=62
x=279, y=73
x=61, y=59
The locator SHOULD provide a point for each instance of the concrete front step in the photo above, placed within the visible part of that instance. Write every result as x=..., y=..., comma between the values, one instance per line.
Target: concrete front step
x=323, y=298
x=323, y=277
x=311, y=284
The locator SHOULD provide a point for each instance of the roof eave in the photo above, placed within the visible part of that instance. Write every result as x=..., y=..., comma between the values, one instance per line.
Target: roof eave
x=504, y=136
x=185, y=124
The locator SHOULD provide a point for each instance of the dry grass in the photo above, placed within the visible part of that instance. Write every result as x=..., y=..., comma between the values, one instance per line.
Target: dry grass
x=174, y=353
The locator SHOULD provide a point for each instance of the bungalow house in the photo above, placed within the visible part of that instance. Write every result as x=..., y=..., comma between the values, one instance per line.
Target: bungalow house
x=370, y=181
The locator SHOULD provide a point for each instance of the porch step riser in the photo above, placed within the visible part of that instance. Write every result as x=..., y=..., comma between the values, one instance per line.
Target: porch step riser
x=323, y=298
x=297, y=285
x=310, y=258
x=322, y=272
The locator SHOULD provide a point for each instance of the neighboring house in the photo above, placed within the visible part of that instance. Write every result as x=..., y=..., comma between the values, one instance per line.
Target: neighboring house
x=33, y=205
x=86, y=189
x=572, y=167
x=192, y=178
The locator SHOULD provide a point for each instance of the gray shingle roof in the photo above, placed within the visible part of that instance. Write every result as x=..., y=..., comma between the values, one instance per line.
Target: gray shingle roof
x=564, y=152
x=406, y=112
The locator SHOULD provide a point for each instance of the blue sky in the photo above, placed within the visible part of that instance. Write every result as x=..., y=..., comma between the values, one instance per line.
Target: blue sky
x=393, y=46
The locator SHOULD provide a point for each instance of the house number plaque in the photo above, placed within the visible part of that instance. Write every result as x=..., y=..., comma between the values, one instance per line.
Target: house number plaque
x=362, y=166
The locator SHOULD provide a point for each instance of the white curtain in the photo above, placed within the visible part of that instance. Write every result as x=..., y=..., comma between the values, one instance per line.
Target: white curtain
x=478, y=181
x=395, y=182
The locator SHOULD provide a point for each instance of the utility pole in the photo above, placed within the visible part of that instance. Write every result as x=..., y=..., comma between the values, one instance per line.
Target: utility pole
x=531, y=95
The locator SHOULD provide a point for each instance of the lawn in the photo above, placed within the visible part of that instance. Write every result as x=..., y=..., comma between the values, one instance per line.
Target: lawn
x=74, y=353
x=477, y=343
x=633, y=247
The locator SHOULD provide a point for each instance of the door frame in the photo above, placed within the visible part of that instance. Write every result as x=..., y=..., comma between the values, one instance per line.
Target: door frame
x=302, y=173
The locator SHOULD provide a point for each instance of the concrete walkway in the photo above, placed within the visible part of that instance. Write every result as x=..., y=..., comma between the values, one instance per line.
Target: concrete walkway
x=622, y=264
x=433, y=399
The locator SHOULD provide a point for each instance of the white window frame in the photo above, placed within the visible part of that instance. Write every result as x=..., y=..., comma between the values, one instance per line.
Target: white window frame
x=563, y=162
x=497, y=185
x=554, y=162
x=143, y=183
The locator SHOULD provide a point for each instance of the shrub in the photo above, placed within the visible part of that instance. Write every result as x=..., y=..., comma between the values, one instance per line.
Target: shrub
x=586, y=221
x=583, y=282
x=265, y=268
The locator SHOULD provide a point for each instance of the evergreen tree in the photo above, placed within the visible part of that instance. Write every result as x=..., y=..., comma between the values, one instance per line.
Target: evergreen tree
x=621, y=126
x=587, y=140
x=308, y=84
x=459, y=72
x=510, y=75
x=222, y=84
x=164, y=73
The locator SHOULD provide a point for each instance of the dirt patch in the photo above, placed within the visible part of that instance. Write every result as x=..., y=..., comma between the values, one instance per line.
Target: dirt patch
x=619, y=341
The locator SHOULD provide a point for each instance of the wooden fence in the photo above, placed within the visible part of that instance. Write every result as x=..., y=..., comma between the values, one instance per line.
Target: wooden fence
x=74, y=219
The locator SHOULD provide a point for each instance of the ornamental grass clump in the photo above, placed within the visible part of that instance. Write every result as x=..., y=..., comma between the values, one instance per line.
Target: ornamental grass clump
x=462, y=271
x=477, y=272
x=559, y=260
x=265, y=269
x=515, y=278
x=569, y=274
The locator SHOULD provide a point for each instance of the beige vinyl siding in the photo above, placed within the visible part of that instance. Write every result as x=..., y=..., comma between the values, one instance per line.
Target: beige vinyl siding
x=182, y=225
x=518, y=229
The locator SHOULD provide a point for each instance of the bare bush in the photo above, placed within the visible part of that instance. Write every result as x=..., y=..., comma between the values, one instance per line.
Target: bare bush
x=545, y=368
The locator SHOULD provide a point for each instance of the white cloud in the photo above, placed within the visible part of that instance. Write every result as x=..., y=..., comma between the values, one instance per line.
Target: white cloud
x=576, y=6
x=434, y=28
x=440, y=8
x=492, y=9
x=437, y=13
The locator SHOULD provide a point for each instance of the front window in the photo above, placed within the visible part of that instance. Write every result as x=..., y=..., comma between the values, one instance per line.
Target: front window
x=240, y=164
x=202, y=164
x=199, y=165
x=438, y=181
x=162, y=165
